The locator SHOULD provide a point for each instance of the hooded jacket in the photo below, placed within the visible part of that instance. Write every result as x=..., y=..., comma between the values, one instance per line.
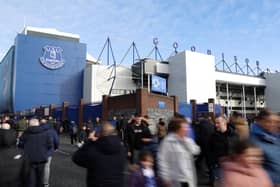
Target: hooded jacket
x=236, y=174
x=36, y=143
x=104, y=160
x=53, y=136
x=175, y=160
x=270, y=144
x=13, y=171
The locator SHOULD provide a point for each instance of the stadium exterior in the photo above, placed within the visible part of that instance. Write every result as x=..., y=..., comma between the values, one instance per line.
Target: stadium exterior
x=46, y=67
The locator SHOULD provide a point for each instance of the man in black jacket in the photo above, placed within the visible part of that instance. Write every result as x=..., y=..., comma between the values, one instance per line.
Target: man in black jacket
x=220, y=145
x=36, y=143
x=138, y=135
x=13, y=171
x=104, y=159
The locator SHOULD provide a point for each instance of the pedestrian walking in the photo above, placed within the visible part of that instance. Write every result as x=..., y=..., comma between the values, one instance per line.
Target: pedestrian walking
x=13, y=168
x=175, y=157
x=265, y=134
x=103, y=158
x=244, y=167
x=36, y=144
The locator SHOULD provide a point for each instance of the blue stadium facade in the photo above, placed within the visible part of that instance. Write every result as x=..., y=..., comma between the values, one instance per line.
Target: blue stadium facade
x=41, y=70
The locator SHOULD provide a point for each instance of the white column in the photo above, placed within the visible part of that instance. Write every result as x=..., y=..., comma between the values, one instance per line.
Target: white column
x=255, y=100
x=148, y=83
x=244, y=101
x=227, y=99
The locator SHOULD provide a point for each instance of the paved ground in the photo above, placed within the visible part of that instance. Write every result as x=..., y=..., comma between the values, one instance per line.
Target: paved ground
x=65, y=173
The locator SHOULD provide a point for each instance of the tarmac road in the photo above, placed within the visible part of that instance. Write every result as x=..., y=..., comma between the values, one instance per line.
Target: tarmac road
x=64, y=173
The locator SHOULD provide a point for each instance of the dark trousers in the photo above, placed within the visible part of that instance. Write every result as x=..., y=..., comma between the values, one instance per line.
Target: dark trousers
x=184, y=184
x=36, y=175
x=73, y=138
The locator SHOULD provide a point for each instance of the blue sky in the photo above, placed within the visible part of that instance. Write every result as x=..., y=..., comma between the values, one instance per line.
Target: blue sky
x=247, y=29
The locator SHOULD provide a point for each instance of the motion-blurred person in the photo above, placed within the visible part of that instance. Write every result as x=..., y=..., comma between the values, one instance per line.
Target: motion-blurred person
x=240, y=125
x=121, y=127
x=114, y=122
x=104, y=159
x=143, y=175
x=190, y=132
x=265, y=135
x=83, y=135
x=13, y=171
x=204, y=130
x=10, y=121
x=89, y=126
x=162, y=130
x=220, y=145
x=45, y=125
x=21, y=125
x=36, y=144
x=73, y=132
x=97, y=126
x=138, y=136
x=244, y=167
x=51, y=121
x=175, y=157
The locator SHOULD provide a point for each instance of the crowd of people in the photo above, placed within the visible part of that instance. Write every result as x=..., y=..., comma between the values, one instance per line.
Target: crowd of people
x=230, y=152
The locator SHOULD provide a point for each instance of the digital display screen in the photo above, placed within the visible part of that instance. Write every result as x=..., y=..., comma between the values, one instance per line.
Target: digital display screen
x=159, y=84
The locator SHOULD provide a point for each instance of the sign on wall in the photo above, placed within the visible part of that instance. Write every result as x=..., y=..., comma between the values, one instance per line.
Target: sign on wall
x=52, y=57
x=161, y=104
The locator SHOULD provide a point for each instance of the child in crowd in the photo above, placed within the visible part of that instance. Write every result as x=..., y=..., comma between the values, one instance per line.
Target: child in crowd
x=143, y=175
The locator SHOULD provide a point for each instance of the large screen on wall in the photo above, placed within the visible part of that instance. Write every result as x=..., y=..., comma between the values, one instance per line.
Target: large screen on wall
x=159, y=84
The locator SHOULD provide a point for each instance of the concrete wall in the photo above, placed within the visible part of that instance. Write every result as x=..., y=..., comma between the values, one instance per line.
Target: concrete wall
x=192, y=76
x=177, y=83
x=272, y=92
x=239, y=79
x=96, y=83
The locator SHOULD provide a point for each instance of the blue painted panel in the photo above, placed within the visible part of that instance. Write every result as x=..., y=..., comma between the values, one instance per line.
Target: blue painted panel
x=72, y=113
x=37, y=85
x=6, y=77
x=185, y=109
x=57, y=113
x=92, y=111
x=218, y=109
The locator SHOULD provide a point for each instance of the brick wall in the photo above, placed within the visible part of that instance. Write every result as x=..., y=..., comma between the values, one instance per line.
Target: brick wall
x=141, y=102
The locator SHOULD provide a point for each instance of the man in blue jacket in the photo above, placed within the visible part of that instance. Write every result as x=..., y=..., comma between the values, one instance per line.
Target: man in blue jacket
x=45, y=125
x=36, y=144
x=265, y=135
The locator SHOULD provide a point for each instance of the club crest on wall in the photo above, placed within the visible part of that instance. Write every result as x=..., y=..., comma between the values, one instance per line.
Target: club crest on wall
x=52, y=57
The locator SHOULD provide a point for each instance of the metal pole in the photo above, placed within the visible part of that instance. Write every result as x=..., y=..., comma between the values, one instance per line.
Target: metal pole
x=244, y=101
x=133, y=56
x=142, y=74
x=108, y=52
x=255, y=98
x=227, y=98
x=148, y=83
x=156, y=53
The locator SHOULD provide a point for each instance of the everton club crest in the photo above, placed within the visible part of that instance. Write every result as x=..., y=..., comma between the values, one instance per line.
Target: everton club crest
x=52, y=57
